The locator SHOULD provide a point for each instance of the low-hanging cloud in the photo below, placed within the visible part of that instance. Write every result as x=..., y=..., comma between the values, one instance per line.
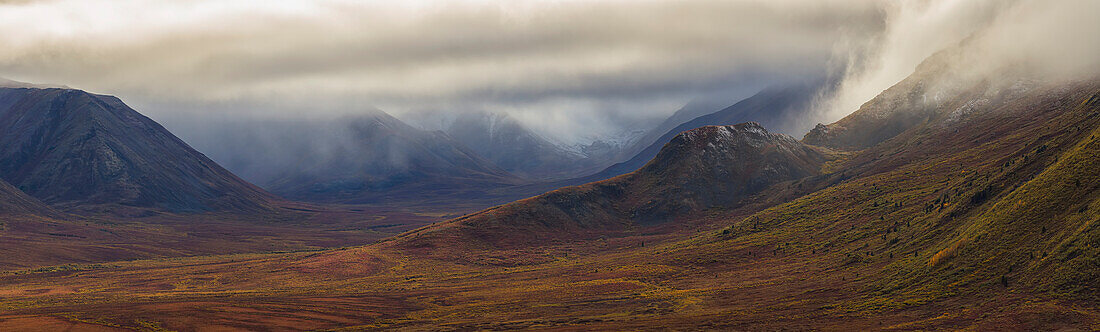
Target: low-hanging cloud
x=553, y=64
x=568, y=68
x=987, y=40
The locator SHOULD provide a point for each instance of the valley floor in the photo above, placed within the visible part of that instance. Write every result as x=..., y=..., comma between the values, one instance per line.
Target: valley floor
x=616, y=284
x=32, y=241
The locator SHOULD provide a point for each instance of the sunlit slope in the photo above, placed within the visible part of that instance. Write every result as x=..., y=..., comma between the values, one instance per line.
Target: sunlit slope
x=999, y=203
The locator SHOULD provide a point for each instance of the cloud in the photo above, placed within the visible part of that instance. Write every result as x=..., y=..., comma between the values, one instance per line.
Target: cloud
x=577, y=64
x=568, y=68
x=991, y=40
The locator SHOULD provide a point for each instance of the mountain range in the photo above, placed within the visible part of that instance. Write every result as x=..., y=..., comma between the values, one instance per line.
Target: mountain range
x=478, y=159
x=944, y=203
x=980, y=216
x=519, y=150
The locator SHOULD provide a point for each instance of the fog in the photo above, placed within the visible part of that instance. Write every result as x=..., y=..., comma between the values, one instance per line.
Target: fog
x=991, y=40
x=570, y=70
x=566, y=68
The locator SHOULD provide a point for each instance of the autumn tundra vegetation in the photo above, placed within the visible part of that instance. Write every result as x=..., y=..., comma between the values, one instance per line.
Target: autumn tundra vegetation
x=964, y=197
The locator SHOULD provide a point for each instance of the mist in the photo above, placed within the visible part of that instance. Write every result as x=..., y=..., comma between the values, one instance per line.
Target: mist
x=565, y=68
x=572, y=71
x=995, y=41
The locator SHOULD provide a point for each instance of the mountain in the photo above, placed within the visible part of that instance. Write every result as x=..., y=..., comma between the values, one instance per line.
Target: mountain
x=369, y=158
x=508, y=144
x=691, y=110
x=516, y=148
x=74, y=149
x=779, y=107
x=712, y=166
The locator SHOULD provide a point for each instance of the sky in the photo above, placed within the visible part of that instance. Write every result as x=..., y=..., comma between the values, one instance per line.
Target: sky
x=568, y=69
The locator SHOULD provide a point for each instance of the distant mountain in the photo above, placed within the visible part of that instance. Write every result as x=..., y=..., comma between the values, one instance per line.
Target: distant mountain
x=688, y=112
x=74, y=149
x=778, y=107
x=371, y=158
x=518, y=150
x=712, y=166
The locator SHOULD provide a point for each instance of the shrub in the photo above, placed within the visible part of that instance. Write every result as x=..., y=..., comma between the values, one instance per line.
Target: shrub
x=946, y=253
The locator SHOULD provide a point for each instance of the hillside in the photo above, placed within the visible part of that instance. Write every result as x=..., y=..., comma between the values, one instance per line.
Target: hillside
x=77, y=150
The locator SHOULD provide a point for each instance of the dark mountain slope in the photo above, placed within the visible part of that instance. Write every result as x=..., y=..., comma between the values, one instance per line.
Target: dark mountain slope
x=708, y=167
x=70, y=148
x=777, y=108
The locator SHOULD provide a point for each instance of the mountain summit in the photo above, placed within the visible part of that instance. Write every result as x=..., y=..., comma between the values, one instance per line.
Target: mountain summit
x=778, y=107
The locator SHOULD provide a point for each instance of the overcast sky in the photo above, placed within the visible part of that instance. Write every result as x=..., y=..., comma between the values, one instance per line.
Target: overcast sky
x=567, y=68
